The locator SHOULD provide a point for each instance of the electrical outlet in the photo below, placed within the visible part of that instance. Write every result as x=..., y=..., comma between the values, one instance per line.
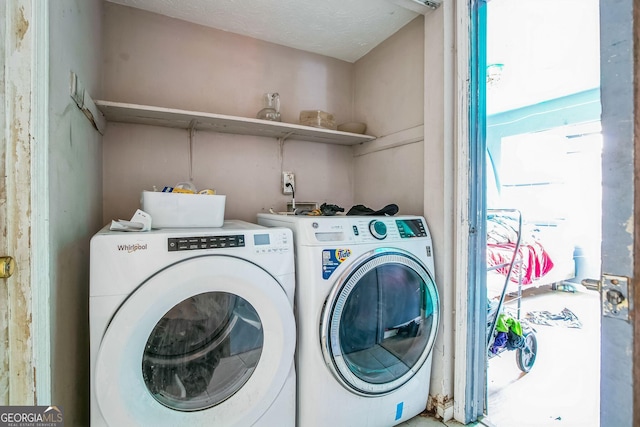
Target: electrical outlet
x=288, y=183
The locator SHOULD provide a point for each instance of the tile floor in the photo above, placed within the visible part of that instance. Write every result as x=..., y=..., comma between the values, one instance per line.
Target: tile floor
x=424, y=421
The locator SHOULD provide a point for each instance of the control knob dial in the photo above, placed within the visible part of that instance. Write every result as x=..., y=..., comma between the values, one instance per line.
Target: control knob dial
x=378, y=229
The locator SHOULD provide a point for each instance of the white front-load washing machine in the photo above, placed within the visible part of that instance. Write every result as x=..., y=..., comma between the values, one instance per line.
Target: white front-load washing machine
x=367, y=312
x=193, y=327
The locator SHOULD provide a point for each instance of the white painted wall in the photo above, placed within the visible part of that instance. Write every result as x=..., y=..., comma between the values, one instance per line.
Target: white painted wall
x=440, y=192
x=75, y=186
x=155, y=60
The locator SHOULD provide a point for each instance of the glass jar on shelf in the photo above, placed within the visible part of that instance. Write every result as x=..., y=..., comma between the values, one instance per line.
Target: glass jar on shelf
x=271, y=110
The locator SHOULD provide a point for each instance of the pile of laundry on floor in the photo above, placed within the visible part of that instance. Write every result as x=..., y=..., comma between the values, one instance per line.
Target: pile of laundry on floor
x=565, y=318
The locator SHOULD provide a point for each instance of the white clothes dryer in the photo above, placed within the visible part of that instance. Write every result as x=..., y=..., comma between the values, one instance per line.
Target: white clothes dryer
x=192, y=327
x=367, y=312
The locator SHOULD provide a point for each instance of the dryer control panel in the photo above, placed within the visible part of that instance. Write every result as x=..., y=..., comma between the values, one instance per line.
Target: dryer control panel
x=350, y=229
x=388, y=229
x=411, y=228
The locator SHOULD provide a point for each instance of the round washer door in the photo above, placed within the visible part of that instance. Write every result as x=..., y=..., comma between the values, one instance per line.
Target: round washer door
x=380, y=322
x=207, y=341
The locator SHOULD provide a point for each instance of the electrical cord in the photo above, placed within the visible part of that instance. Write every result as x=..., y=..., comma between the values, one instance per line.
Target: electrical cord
x=293, y=196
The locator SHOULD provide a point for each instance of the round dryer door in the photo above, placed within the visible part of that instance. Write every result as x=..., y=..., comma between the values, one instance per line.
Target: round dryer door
x=380, y=322
x=206, y=341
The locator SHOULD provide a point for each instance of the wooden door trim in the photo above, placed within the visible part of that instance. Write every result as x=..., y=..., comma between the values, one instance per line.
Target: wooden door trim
x=634, y=290
x=40, y=248
x=18, y=228
x=22, y=91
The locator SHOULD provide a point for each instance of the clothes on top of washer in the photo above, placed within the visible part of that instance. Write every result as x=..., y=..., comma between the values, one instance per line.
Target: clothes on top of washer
x=388, y=210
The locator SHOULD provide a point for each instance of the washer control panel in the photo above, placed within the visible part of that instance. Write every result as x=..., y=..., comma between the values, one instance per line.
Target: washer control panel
x=205, y=242
x=269, y=242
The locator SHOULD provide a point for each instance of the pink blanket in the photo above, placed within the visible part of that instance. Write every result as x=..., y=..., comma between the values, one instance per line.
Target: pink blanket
x=535, y=260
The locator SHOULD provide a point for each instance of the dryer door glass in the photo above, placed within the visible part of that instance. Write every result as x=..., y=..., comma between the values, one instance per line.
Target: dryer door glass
x=383, y=323
x=202, y=351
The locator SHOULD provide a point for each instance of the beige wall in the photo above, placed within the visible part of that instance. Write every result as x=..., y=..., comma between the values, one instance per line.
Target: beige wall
x=75, y=199
x=389, y=97
x=389, y=82
x=391, y=176
x=244, y=168
x=155, y=60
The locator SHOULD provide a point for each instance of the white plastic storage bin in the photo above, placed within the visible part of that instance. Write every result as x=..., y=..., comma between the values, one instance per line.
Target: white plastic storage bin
x=171, y=210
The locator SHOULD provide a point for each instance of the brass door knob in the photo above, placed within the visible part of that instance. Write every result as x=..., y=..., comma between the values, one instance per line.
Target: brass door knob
x=7, y=265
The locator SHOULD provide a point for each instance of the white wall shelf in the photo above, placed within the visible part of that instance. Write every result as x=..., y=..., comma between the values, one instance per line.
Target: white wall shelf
x=183, y=119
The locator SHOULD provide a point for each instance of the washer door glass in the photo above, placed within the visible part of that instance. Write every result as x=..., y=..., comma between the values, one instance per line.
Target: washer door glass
x=202, y=351
x=382, y=323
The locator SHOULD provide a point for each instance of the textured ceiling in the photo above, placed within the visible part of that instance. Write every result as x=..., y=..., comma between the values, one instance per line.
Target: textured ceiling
x=343, y=29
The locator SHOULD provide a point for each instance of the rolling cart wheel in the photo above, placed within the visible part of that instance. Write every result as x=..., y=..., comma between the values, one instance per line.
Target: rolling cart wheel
x=526, y=356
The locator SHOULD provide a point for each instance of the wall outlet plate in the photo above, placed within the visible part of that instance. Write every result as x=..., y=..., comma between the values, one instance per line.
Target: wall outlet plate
x=288, y=183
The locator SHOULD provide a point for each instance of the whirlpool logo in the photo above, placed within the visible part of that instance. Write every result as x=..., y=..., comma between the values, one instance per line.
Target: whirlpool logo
x=132, y=248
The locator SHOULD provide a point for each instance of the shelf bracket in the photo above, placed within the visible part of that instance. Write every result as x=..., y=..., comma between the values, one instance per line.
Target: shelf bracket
x=286, y=136
x=192, y=137
x=84, y=102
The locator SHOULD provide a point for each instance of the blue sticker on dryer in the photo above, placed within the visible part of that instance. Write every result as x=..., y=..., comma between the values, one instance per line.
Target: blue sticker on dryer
x=331, y=260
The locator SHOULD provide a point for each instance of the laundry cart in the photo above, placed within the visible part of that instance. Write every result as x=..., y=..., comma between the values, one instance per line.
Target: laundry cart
x=506, y=331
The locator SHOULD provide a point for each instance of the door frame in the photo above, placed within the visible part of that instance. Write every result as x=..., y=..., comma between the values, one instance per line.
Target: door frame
x=41, y=281
x=619, y=348
x=470, y=347
x=619, y=67
x=24, y=212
